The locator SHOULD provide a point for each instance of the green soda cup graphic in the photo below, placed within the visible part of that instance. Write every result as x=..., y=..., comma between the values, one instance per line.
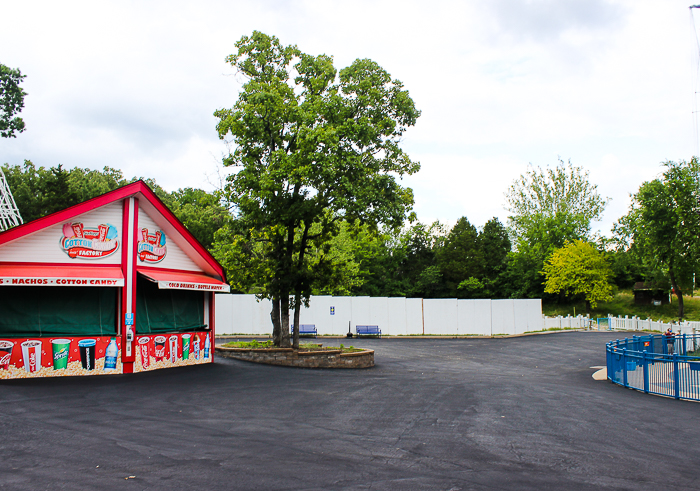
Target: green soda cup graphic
x=61, y=349
x=186, y=346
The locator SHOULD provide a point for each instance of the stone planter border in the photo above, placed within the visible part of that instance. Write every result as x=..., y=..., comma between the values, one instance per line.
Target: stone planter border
x=301, y=359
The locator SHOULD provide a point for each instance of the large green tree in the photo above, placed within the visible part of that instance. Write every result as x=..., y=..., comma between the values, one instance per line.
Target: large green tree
x=313, y=147
x=663, y=224
x=548, y=208
x=11, y=101
x=579, y=269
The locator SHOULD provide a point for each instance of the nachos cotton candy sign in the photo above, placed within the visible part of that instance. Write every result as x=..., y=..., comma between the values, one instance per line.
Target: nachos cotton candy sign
x=89, y=243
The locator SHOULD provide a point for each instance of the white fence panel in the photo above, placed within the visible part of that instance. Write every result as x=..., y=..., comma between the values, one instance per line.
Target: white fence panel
x=502, y=317
x=482, y=317
x=396, y=313
x=262, y=323
x=474, y=317
x=440, y=315
x=414, y=316
x=318, y=313
x=379, y=313
x=520, y=317
x=361, y=313
x=343, y=315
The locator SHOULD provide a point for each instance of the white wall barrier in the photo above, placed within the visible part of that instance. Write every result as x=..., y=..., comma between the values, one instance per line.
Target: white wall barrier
x=395, y=316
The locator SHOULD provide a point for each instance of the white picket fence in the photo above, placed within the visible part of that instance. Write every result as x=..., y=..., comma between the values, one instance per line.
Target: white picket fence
x=568, y=322
x=626, y=323
x=395, y=316
x=636, y=324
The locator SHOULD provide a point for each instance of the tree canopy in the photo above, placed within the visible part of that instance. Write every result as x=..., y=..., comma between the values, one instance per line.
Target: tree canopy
x=11, y=101
x=548, y=209
x=662, y=226
x=579, y=268
x=313, y=147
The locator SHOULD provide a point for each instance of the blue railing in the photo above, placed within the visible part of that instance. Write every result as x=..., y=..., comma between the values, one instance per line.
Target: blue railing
x=657, y=364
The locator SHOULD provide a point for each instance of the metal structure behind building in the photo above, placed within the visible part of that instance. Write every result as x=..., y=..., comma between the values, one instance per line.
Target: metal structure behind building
x=9, y=214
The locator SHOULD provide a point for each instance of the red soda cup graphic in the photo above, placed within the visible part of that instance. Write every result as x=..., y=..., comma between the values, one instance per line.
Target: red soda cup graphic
x=102, y=229
x=159, y=347
x=144, y=352
x=78, y=229
x=158, y=234
x=31, y=353
x=5, y=354
x=144, y=234
x=173, y=348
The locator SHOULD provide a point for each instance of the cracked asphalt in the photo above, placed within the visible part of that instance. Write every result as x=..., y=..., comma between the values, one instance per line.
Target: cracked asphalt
x=433, y=414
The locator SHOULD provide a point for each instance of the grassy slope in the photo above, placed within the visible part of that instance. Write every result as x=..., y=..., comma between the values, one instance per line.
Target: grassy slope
x=623, y=304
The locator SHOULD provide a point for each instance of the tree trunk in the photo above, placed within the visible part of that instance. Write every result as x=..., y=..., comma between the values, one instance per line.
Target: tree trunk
x=679, y=294
x=275, y=316
x=297, y=311
x=284, y=321
x=297, y=294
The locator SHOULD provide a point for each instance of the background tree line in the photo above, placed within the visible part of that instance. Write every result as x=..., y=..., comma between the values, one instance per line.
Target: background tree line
x=656, y=242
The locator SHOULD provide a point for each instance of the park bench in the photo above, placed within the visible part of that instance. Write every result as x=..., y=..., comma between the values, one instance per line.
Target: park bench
x=368, y=331
x=306, y=329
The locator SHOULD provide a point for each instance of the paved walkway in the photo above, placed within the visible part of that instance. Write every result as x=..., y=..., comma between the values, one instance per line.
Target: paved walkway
x=462, y=414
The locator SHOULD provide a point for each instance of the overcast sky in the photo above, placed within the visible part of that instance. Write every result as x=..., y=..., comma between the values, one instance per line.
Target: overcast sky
x=500, y=83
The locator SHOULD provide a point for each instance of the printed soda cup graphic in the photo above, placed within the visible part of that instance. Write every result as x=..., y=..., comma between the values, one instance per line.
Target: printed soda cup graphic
x=159, y=347
x=78, y=229
x=31, y=353
x=87, y=353
x=195, y=346
x=143, y=350
x=186, y=346
x=61, y=349
x=5, y=354
x=102, y=236
x=173, y=348
x=144, y=234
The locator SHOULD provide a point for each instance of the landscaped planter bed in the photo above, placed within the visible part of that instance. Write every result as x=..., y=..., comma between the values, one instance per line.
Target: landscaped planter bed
x=327, y=358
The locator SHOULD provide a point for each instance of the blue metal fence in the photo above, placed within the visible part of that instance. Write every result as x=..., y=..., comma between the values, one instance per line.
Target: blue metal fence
x=657, y=364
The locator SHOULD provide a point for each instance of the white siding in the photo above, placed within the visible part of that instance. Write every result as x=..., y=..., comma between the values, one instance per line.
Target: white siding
x=43, y=246
x=175, y=258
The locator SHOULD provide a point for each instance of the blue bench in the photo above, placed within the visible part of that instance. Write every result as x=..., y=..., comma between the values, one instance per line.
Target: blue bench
x=368, y=331
x=306, y=329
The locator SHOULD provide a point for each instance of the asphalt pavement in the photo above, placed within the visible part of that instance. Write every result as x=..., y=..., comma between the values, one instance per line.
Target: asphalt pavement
x=433, y=414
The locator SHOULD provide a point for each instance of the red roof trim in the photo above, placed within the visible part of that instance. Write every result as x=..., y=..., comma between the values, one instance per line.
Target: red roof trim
x=105, y=199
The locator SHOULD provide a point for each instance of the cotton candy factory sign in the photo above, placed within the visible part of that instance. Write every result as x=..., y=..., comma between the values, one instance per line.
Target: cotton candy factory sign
x=88, y=243
x=151, y=248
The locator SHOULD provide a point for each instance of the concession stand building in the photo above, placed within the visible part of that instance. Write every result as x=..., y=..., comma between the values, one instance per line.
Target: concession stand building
x=115, y=284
